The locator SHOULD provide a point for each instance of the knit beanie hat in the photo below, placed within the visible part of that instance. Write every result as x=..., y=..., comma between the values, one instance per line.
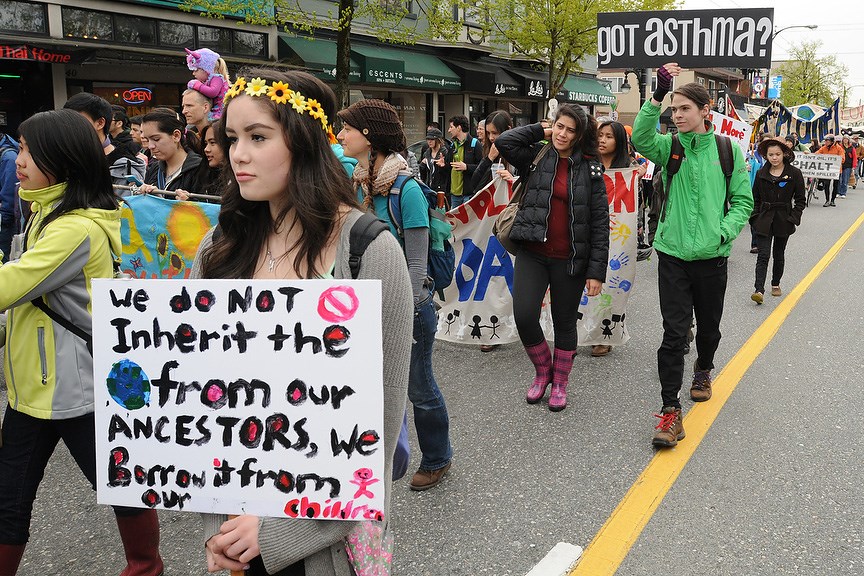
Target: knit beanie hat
x=378, y=121
x=203, y=58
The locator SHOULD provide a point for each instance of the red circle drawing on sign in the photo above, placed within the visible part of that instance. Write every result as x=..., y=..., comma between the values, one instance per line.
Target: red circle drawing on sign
x=338, y=304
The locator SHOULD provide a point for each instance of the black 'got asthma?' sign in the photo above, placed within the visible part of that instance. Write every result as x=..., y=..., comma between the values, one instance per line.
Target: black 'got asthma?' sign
x=692, y=38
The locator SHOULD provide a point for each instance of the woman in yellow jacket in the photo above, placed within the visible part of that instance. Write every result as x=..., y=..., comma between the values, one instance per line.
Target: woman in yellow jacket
x=69, y=240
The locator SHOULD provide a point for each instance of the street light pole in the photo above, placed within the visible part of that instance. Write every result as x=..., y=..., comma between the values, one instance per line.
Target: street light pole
x=641, y=74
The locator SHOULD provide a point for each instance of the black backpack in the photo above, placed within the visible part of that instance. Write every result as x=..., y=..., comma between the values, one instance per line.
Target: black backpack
x=657, y=212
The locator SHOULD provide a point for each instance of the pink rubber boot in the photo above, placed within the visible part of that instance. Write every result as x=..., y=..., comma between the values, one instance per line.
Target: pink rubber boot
x=561, y=366
x=542, y=360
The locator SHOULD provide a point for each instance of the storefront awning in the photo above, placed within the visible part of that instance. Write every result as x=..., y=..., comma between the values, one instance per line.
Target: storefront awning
x=485, y=78
x=404, y=68
x=586, y=91
x=534, y=84
x=319, y=56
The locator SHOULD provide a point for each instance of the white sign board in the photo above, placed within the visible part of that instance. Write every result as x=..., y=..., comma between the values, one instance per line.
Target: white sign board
x=825, y=166
x=237, y=396
x=737, y=130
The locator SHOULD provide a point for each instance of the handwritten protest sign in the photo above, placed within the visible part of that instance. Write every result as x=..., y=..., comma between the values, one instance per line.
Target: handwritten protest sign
x=692, y=38
x=738, y=131
x=237, y=396
x=825, y=166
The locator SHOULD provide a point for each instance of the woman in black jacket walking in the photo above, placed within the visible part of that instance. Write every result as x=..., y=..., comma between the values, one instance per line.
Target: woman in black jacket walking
x=777, y=186
x=562, y=227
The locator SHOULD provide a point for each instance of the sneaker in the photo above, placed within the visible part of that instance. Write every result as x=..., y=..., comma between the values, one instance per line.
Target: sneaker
x=754, y=250
x=426, y=479
x=775, y=291
x=757, y=297
x=826, y=204
x=600, y=350
x=700, y=389
x=670, y=429
x=832, y=204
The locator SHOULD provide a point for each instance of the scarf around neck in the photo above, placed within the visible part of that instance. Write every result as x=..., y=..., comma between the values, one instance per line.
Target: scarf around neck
x=390, y=168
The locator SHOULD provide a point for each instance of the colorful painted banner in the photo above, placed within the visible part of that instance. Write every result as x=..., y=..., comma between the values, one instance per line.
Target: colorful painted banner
x=262, y=397
x=478, y=306
x=852, y=117
x=777, y=120
x=738, y=131
x=161, y=237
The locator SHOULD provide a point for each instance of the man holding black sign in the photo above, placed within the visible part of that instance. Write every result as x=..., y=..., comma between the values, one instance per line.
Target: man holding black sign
x=694, y=236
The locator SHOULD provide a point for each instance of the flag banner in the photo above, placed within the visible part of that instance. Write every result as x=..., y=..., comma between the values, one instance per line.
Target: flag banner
x=777, y=120
x=161, y=237
x=692, y=38
x=259, y=397
x=478, y=307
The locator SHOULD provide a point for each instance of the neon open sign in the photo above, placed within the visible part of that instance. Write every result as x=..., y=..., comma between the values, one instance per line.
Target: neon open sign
x=137, y=95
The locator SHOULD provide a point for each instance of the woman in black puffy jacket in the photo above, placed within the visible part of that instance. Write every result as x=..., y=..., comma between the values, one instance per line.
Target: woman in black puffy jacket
x=562, y=227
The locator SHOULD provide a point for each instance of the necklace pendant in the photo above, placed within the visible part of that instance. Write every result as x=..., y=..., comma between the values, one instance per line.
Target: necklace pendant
x=271, y=263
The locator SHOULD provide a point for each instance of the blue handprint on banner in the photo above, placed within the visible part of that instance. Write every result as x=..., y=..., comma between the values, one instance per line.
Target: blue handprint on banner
x=616, y=283
x=618, y=261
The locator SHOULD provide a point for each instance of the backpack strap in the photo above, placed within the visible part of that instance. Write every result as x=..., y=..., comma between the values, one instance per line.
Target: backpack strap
x=363, y=232
x=727, y=161
x=676, y=157
x=43, y=306
x=394, y=201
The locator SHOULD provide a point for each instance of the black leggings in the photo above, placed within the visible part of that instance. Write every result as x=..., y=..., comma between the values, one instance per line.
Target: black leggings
x=830, y=189
x=779, y=256
x=533, y=275
x=28, y=444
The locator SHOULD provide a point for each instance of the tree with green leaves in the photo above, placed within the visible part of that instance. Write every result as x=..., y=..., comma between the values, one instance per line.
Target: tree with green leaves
x=559, y=34
x=809, y=78
x=388, y=20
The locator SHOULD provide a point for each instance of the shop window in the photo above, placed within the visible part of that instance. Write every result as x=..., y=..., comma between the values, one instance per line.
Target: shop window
x=176, y=35
x=217, y=39
x=87, y=24
x=23, y=17
x=249, y=44
x=133, y=30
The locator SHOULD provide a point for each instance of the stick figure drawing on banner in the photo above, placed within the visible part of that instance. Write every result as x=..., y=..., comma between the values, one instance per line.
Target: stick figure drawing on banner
x=607, y=332
x=451, y=319
x=363, y=478
x=476, y=327
x=494, y=326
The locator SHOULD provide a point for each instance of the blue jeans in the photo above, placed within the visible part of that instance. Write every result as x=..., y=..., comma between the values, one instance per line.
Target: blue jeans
x=458, y=200
x=430, y=412
x=844, y=181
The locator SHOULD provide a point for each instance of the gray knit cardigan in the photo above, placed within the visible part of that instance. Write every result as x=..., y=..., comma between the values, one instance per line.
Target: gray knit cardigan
x=320, y=543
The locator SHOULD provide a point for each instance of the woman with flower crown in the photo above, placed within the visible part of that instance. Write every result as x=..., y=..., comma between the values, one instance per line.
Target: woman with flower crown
x=287, y=213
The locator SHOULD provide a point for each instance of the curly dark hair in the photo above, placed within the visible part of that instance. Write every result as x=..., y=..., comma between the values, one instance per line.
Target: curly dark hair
x=318, y=187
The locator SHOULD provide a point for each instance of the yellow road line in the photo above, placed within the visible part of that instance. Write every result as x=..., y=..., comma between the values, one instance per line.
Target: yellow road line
x=610, y=546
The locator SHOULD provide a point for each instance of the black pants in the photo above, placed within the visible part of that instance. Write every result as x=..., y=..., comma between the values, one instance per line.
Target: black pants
x=779, y=255
x=533, y=275
x=830, y=185
x=685, y=288
x=28, y=443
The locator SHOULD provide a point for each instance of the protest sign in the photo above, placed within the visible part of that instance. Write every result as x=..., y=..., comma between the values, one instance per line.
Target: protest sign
x=852, y=117
x=692, y=38
x=825, y=166
x=161, y=237
x=777, y=120
x=738, y=131
x=262, y=397
x=478, y=307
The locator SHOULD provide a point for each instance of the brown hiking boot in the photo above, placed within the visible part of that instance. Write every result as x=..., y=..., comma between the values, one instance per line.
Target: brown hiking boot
x=700, y=390
x=426, y=479
x=670, y=429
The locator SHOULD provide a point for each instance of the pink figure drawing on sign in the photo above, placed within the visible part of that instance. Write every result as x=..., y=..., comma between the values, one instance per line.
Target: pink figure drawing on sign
x=363, y=478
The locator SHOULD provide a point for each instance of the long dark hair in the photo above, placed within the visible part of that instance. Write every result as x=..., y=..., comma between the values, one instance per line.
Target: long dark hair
x=502, y=122
x=586, y=126
x=65, y=147
x=168, y=121
x=622, y=150
x=317, y=186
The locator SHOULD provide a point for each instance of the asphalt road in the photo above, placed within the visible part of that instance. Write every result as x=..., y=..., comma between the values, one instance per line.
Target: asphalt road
x=775, y=487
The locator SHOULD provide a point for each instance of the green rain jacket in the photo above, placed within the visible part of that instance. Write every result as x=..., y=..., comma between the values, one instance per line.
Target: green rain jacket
x=49, y=372
x=697, y=226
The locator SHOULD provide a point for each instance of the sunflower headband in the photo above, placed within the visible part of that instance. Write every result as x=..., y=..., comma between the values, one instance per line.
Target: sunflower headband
x=281, y=93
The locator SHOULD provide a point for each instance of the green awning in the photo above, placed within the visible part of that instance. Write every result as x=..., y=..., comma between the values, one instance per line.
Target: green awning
x=319, y=56
x=404, y=68
x=586, y=91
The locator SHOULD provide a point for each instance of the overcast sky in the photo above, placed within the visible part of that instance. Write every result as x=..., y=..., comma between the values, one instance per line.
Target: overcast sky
x=840, y=27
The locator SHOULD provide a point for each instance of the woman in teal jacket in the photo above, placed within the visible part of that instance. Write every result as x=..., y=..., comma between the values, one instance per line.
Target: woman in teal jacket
x=70, y=238
x=701, y=218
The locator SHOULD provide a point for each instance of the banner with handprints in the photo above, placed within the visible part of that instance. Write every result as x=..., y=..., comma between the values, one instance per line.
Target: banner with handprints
x=160, y=236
